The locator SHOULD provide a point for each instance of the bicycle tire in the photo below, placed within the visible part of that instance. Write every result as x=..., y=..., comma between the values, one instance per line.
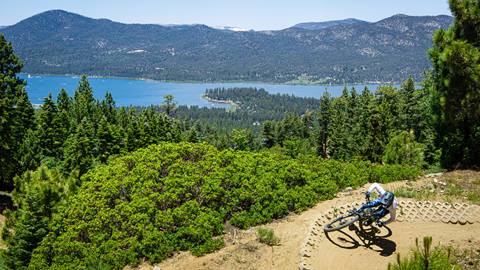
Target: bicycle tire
x=330, y=227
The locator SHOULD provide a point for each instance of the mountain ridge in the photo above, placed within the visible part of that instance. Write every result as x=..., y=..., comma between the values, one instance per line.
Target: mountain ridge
x=326, y=24
x=389, y=50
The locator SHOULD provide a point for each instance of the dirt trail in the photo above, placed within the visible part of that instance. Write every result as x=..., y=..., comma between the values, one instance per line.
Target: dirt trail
x=456, y=224
x=305, y=246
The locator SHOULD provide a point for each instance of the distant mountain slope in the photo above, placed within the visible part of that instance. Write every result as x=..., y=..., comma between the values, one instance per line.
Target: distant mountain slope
x=60, y=42
x=327, y=24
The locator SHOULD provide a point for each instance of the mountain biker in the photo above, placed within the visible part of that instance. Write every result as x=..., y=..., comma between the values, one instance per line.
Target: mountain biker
x=386, y=202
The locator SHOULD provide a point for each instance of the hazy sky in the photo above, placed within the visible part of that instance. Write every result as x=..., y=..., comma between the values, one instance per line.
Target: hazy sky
x=249, y=14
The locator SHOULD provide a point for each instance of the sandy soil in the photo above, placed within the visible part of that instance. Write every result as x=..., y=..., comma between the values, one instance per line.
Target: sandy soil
x=347, y=250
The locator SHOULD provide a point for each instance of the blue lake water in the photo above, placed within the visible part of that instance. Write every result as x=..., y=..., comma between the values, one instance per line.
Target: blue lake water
x=146, y=92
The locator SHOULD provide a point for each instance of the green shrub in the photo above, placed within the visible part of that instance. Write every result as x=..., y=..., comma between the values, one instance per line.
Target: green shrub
x=209, y=246
x=390, y=173
x=176, y=197
x=267, y=236
x=427, y=258
x=473, y=197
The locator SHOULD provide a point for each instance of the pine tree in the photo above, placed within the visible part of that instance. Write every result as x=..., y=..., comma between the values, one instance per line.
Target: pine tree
x=403, y=149
x=324, y=119
x=378, y=139
x=122, y=117
x=108, y=108
x=268, y=134
x=145, y=129
x=131, y=131
x=169, y=104
x=366, y=108
x=408, y=115
x=424, y=121
x=30, y=229
x=79, y=149
x=23, y=123
x=64, y=102
x=14, y=107
x=340, y=127
x=83, y=101
x=192, y=135
x=242, y=139
x=307, y=119
x=384, y=121
x=109, y=143
x=24, y=115
x=30, y=152
x=48, y=130
x=354, y=114
x=63, y=118
x=456, y=82
x=36, y=195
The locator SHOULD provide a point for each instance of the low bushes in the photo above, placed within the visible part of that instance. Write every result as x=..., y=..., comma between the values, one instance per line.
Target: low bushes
x=427, y=257
x=171, y=197
x=267, y=236
x=390, y=173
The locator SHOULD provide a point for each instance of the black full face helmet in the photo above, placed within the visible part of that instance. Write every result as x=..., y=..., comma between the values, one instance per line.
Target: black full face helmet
x=387, y=199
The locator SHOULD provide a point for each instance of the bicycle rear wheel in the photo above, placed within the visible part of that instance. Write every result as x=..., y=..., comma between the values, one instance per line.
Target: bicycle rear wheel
x=340, y=222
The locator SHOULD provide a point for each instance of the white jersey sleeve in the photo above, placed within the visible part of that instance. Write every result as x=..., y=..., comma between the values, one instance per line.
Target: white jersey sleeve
x=376, y=187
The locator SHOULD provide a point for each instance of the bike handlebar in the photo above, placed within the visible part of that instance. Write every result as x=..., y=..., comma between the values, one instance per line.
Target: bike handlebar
x=367, y=196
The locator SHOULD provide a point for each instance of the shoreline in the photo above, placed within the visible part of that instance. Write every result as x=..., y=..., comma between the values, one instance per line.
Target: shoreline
x=207, y=82
x=220, y=101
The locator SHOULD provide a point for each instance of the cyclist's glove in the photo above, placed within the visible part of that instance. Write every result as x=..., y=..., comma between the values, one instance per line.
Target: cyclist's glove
x=367, y=195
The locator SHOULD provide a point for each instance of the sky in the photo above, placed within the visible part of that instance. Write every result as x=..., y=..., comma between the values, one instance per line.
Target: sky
x=247, y=14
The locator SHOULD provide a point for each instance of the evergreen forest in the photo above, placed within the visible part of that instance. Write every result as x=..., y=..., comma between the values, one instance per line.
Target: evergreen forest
x=86, y=184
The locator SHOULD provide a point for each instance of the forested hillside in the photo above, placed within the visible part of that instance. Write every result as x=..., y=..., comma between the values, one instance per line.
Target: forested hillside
x=58, y=42
x=96, y=186
x=356, y=125
x=250, y=108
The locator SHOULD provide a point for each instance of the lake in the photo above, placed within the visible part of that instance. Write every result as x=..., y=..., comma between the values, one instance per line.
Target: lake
x=148, y=92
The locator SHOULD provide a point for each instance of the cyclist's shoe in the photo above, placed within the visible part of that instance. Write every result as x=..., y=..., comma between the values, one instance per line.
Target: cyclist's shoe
x=367, y=222
x=353, y=211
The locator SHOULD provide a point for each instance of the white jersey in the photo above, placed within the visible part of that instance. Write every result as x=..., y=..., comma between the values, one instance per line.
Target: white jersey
x=392, y=209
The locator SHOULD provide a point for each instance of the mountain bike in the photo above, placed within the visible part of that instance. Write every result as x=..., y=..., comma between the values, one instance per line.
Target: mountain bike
x=364, y=217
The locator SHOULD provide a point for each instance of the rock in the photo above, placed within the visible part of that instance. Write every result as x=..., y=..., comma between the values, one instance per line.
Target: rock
x=434, y=175
x=430, y=186
x=304, y=266
x=156, y=267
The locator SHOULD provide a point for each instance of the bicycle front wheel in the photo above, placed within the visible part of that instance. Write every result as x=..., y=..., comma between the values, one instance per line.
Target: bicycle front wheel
x=340, y=222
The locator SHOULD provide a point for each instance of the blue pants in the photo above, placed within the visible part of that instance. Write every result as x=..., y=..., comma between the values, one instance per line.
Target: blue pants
x=380, y=212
